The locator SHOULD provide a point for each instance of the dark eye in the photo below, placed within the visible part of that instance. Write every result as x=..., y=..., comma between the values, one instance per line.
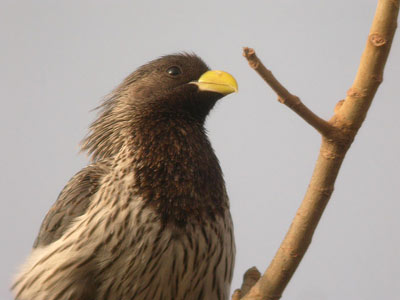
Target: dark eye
x=174, y=71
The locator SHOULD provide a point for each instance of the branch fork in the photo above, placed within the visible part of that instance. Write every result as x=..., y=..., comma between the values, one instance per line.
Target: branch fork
x=285, y=97
x=337, y=136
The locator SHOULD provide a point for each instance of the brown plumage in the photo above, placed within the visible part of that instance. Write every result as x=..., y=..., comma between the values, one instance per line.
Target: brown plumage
x=149, y=218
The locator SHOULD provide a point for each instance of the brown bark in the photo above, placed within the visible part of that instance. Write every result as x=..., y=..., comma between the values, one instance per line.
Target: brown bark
x=337, y=135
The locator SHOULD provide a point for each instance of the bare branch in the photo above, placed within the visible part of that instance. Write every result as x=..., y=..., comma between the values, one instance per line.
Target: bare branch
x=370, y=72
x=250, y=278
x=284, y=96
x=347, y=119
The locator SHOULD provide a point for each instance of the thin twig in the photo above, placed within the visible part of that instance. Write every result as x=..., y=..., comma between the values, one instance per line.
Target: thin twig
x=284, y=96
x=348, y=117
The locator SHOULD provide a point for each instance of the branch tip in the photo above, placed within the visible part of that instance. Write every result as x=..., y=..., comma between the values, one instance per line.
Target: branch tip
x=251, y=57
x=250, y=278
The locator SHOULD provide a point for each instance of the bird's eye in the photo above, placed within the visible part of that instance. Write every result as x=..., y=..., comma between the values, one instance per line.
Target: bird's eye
x=174, y=71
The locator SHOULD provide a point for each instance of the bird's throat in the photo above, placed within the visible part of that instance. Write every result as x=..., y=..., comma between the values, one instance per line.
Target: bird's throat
x=177, y=171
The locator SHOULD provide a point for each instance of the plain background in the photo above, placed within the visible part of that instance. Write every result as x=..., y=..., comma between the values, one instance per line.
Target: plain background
x=59, y=58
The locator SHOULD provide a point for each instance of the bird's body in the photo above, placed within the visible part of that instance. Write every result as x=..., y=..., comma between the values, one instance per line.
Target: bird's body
x=149, y=218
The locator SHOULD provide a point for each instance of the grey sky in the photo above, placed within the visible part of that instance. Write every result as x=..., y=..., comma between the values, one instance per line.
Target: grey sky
x=59, y=58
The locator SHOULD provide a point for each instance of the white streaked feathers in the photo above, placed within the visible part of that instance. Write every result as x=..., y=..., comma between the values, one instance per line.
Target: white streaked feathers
x=134, y=258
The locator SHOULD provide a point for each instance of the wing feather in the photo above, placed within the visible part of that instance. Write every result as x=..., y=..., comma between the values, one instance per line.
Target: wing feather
x=72, y=202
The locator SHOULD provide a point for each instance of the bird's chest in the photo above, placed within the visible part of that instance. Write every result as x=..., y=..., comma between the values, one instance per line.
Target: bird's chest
x=149, y=261
x=144, y=257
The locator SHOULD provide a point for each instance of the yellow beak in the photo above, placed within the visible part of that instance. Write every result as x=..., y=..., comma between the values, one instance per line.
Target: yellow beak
x=218, y=82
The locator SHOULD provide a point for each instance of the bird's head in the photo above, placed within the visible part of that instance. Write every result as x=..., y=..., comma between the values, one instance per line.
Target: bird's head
x=173, y=86
x=177, y=83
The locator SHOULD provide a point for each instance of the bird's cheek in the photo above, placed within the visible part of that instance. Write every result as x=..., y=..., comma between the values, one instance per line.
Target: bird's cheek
x=143, y=92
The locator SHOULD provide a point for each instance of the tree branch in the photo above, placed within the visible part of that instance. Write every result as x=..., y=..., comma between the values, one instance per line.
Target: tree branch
x=250, y=278
x=347, y=119
x=284, y=96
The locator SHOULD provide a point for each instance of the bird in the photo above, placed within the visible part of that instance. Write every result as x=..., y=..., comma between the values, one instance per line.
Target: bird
x=149, y=217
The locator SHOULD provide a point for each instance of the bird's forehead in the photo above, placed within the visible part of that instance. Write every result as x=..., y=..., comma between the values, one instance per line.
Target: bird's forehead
x=190, y=62
x=192, y=66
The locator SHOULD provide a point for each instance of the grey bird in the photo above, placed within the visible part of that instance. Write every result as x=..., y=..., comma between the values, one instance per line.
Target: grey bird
x=149, y=217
